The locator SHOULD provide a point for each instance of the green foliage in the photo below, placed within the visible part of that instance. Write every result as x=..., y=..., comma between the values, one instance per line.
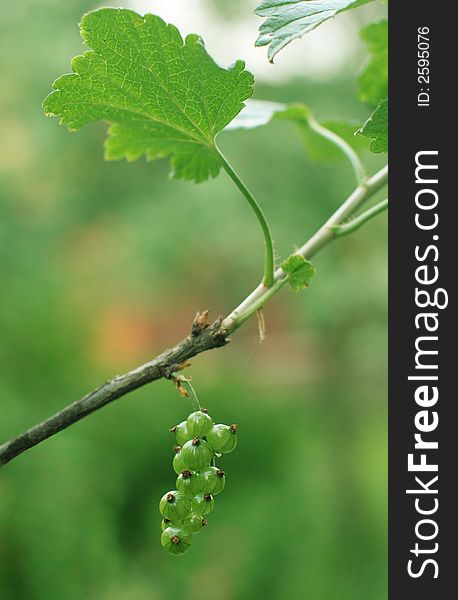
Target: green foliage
x=79, y=239
x=318, y=144
x=373, y=80
x=287, y=20
x=299, y=270
x=256, y=113
x=374, y=86
x=161, y=97
x=376, y=128
x=317, y=147
x=294, y=18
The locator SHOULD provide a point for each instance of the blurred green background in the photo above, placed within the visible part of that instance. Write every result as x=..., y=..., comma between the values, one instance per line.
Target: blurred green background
x=102, y=266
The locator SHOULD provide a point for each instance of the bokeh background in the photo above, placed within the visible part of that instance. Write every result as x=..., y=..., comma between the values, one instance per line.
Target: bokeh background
x=102, y=265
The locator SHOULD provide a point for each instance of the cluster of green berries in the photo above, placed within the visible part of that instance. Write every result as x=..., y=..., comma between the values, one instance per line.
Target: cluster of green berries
x=183, y=510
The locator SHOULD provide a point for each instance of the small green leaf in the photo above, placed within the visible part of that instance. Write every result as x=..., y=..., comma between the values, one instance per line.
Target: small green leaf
x=287, y=20
x=299, y=270
x=373, y=81
x=161, y=96
x=376, y=128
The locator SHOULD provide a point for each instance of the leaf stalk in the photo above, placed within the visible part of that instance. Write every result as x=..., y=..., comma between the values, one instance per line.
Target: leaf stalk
x=210, y=337
x=344, y=146
x=323, y=236
x=269, y=261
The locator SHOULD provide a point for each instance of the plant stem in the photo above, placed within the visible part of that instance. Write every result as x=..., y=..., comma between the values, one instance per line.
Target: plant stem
x=186, y=384
x=357, y=222
x=323, y=236
x=335, y=139
x=269, y=263
x=206, y=337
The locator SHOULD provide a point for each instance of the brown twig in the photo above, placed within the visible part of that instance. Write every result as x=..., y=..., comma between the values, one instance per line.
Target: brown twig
x=203, y=336
x=206, y=338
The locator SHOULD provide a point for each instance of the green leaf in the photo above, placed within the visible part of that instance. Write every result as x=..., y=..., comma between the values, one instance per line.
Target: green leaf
x=299, y=270
x=318, y=147
x=287, y=20
x=258, y=113
x=376, y=128
x=161, y=96
x=373, y=80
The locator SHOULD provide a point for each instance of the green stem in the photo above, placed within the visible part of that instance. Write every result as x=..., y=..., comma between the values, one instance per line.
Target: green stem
x=214, y=336
x=357, y=222
x=335, y=139
x=258, y=304
x=269, y=263
x=323, y=236
x=186, y=384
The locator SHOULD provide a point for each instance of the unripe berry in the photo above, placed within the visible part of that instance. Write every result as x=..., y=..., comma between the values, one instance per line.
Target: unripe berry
x=196, y=454
x=188, y=483
x=195, y=522
x=199, y=424
x=222, y=438
x=178, y=463
x=176, y=540
x=203, y=504
x=174, y=506
x=181, y=433
x=212, y=481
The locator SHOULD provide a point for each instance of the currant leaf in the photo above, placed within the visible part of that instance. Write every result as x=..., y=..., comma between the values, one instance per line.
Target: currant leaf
x=256, y=113
x=376, y=128
x=162, y=97
x=299, y=270
x=287, y=20
x=373, y=81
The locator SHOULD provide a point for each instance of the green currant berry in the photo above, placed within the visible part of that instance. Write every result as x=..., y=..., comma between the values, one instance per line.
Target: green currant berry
x=212, y=481
x=199, y=424
x=195, y=522
x=181, y=433
x=165, y=523
x=222, y=438
x=197, y=454
x=188, y=483
x=178, y=463
x=203, y=504
x=176, y=540
x=174, y=506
